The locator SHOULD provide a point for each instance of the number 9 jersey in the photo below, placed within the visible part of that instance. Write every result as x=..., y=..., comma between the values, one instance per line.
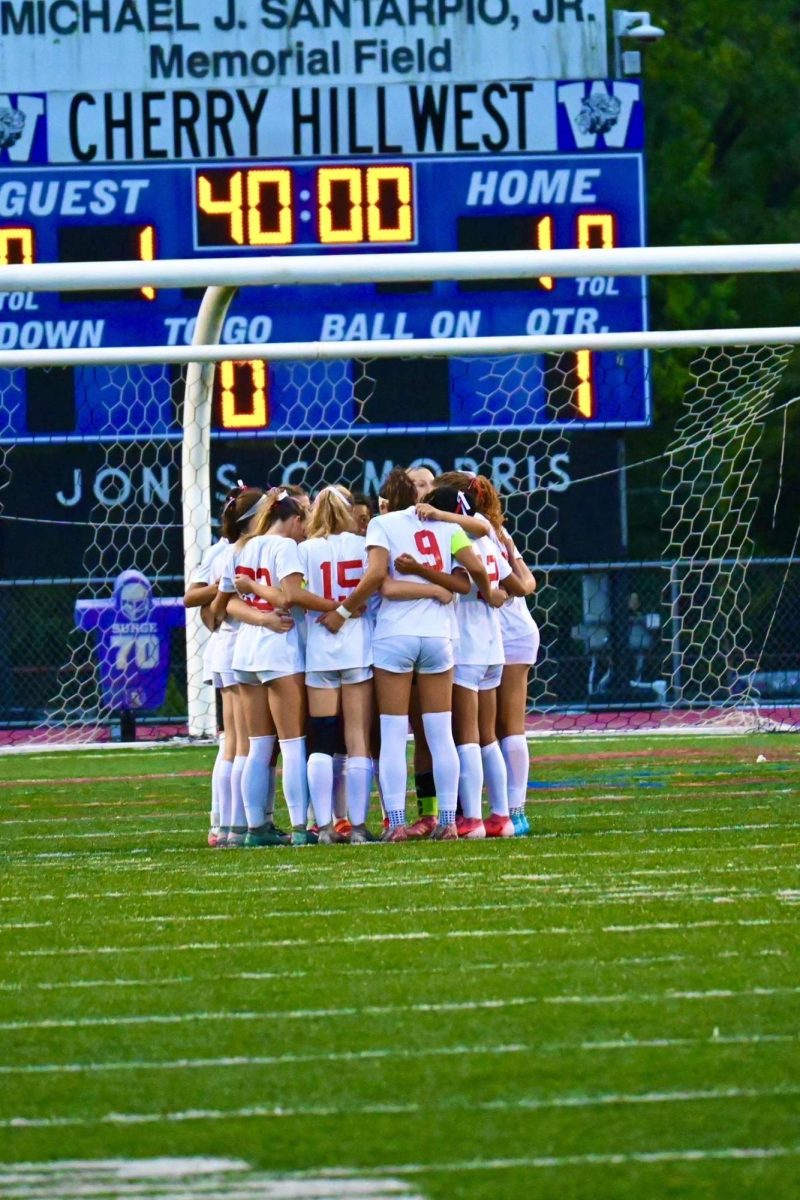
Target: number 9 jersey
x=430, y=542
x=333, y=567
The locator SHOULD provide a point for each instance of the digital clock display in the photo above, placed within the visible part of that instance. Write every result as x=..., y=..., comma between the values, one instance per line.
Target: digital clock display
x=592, y=199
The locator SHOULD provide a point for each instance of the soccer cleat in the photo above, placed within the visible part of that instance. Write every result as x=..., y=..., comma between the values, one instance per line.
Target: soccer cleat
x=213, y=836
x=361, y=836
x=236, y=838
x=342, y=827
x=266, y=835
x=497, y=825
x=445, y=833
x=303, y=837
x=520, y=823
x=329, y=835
x=423, y=828
x=222, y=838
x=471, y=828
x=398, y=834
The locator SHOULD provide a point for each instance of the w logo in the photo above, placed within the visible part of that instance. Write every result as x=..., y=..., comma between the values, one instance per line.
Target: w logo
x=598, y=113
x=18, y=121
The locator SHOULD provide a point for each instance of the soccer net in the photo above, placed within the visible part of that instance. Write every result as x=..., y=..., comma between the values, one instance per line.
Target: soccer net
x=658, y=604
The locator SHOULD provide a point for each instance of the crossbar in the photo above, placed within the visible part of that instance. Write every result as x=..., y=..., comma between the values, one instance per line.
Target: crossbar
x=392, y=266
x=400, y=348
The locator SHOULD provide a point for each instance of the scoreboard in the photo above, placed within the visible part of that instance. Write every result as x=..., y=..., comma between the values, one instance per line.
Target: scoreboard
x=446, y=202
x=158, y=129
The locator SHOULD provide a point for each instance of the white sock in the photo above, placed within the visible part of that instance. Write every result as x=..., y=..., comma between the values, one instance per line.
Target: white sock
x=295, y=783
x=238, y=815
x=255, y=780
x=439, y=736
x=470, y=779
x=225, y=798
x=515, y=753
x=496, y=776
x=359, y=782
x=218, y=761
x=339, y=786
x=320, y=786
x=393, y=766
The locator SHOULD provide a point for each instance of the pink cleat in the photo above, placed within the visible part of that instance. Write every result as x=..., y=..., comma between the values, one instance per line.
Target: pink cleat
x=398, y=834
x=422, y=828
x=498, y=826
x=470, y=828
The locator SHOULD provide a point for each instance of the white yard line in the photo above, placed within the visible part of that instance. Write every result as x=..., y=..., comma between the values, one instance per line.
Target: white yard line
x=411, y=936
x=460, y=878
x=203, y=858
x=395, y=1052
x=602, y=1100
x=372, y=1010
x=464, y=968
x=641, y=831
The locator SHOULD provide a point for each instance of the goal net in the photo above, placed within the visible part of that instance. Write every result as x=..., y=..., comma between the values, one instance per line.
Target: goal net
x=668, y=593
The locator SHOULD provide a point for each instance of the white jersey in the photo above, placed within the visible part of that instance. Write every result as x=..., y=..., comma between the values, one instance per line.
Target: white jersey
x=209, y=572
x=333, y=567
x=431, y=542
x=268, y=559
x=515, y=618
x=480, y=641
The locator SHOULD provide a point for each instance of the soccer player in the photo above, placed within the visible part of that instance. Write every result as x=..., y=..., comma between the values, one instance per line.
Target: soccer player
x=427, y=804
x=338, y=667
x=479, y=664
x=268, y=661
x=237, y=519
x=520, y=647
x=412, y=635
x=201, y=593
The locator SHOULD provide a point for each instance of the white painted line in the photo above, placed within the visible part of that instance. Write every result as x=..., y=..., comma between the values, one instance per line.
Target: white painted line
x=186, y=1178
x=411, y=936
x=372, y=1010
x=602, y=1100
x=391, y=1052
x=464, y=968
x=204, y=859
x=461, y=878
x=269, y=1060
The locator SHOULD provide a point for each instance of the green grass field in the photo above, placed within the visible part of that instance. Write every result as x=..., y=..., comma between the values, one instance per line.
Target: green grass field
x=608, y=1008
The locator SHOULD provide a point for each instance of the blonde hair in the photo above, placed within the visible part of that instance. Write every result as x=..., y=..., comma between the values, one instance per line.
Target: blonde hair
x=331, y=512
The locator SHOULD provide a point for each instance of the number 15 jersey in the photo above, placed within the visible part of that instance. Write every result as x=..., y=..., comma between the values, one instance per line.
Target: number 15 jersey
x=430, y=542
x=333, y=567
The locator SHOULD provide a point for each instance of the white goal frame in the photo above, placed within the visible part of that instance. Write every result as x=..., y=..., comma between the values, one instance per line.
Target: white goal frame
x=223, y=277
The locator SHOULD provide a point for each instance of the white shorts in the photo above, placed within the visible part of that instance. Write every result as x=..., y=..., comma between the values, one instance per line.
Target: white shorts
x=425, y=655
x=477, y=677
x=336, y=679
x=524, y=650
x=256, y=677
x=223, y=679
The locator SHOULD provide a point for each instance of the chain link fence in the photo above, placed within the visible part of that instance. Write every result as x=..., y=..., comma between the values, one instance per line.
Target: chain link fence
x=621, y=640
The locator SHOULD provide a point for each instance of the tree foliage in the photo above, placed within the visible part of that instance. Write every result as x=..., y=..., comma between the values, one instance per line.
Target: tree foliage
x=723, y=139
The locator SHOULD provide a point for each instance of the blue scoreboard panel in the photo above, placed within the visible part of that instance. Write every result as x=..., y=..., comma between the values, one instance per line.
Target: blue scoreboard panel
x=372, y=203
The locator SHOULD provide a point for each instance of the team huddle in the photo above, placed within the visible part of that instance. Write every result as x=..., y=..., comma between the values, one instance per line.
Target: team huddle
x=330, y=631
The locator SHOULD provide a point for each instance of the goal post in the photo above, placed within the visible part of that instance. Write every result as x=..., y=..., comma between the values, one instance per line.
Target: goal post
x=678, y=644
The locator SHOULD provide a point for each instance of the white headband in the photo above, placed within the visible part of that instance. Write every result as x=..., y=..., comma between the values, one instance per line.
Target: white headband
x=255, y=508
x=332, y=487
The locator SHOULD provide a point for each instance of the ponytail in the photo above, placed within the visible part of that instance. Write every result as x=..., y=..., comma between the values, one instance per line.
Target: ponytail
x=332, y=512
